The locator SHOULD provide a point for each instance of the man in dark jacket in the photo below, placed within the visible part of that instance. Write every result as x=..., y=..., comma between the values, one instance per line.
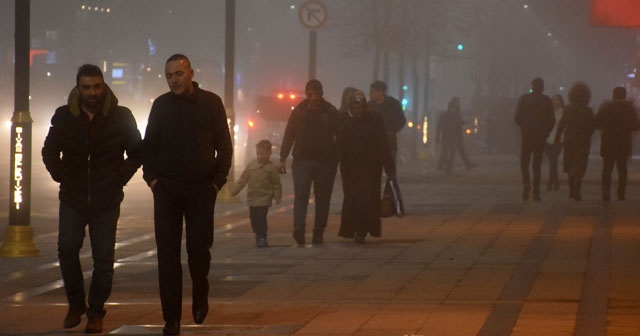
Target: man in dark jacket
x=390, y=110
x=311, y=132
x=84, y=152
x=187, y=156
x=617, y=119
x=535, y=117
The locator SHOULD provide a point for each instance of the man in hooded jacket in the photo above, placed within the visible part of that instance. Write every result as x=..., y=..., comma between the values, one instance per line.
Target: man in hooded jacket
x=84, y=151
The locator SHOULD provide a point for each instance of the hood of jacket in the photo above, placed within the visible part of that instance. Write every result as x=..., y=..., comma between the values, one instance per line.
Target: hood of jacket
x=110, y=101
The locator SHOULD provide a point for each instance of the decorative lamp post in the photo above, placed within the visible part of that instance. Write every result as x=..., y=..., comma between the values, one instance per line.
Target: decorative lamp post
x=19, y=233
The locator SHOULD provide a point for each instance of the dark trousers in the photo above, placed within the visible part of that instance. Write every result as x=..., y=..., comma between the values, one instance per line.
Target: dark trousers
x=258, y=217
x=528, y=151
x=607, y=168
x=172, y=203
x=102, y=233
x=447, y=153
x=553, y=153
x=320, y=175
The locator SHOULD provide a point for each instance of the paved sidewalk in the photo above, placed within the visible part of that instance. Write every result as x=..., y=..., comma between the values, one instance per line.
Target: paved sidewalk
x=470, y=258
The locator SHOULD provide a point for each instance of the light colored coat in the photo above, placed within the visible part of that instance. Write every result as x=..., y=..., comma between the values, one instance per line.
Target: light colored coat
x=263, y=182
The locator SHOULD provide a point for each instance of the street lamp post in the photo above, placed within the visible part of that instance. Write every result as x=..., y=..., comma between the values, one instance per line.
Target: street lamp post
x=19, y=233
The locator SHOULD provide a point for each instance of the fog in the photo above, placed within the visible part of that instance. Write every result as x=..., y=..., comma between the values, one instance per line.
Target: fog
x=484, y=51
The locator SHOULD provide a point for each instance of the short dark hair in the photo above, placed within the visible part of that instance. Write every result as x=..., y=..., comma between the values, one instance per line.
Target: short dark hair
x=313, y=84
x=579, y=93
x=88, y=70
x=179, y=57
x=264, y=144
x=379, y=86
x=537, y=85
x=620, y=93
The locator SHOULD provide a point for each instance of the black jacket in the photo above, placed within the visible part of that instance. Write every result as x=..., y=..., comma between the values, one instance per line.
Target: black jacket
x=617, y=119
x=312, y=134
x=91, y=179
x=187, y=139
x=535, y=117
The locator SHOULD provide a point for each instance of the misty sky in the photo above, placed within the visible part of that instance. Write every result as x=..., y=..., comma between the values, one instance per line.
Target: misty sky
x=272, y=46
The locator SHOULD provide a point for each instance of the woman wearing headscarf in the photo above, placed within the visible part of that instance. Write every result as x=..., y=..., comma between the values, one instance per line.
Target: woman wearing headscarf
x=576, y=128
x=364, y=152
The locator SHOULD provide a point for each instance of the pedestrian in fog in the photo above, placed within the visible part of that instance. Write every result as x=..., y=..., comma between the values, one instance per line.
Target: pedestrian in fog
x=534, y=115
x=393, y=119
x=364, y=152
x=310, y=135
x=344, y=102
x=449, y=134
x=617, y=119
x=553, y=149
x=263, y=180
x=576, y=128
x=187, y=156
x=85, y=151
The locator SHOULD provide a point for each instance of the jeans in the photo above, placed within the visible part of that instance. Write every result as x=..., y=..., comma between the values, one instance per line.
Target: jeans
x=102, y=233
x=553, y=152
x=258, y=217
x=173, y=201
x=320, y=174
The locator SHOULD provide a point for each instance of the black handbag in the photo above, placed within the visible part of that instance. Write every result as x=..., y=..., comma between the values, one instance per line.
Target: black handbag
x=386, y=203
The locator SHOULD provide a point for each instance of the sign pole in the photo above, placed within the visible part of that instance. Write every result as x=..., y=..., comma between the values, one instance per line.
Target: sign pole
x=313, y=16
x=19, y=233
x=313, y=48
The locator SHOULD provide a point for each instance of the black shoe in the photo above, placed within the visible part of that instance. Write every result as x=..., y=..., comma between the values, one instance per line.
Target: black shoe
x=360, y=240
x=200, y=311
x=94, y=326
x=171, y=328
x=74, y=315
x=298, y=235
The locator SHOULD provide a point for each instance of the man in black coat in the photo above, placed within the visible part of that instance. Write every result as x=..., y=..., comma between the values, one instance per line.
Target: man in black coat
x=187, y=156
x=535, y=117
x=393, y=119
x=84, y=151
x=617, y=119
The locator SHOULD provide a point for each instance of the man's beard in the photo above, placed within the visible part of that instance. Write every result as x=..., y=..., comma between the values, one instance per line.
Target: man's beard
x=92, y=102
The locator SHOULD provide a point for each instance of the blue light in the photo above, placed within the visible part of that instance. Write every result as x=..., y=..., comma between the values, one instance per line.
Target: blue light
x=460, y=47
